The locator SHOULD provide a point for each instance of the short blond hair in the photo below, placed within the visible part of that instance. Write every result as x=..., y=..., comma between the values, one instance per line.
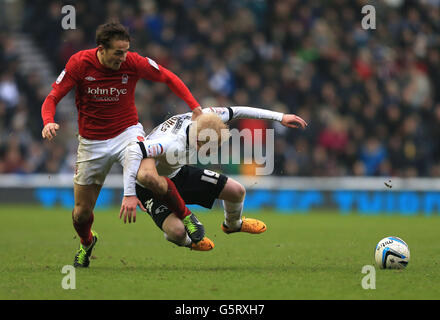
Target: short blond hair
x=209, y=126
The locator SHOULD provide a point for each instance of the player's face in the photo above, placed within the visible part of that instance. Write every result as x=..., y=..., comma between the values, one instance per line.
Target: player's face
x=117, y=53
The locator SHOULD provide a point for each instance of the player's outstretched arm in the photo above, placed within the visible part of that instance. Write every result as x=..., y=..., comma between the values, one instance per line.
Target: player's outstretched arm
x=293, y=121
x=150, y=70
x=65, y=82
x=244, y=112
x=49, y=106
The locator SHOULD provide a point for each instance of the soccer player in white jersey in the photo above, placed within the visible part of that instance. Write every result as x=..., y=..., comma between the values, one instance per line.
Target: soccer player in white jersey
x=169, y=144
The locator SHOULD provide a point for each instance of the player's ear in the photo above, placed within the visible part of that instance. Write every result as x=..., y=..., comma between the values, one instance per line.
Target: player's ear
x=101, y=48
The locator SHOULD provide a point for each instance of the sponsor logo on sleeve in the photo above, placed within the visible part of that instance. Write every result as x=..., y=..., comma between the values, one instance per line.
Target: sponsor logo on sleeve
x=61, y=76
x=154, y=150
x=153, y=63
x=219, y=111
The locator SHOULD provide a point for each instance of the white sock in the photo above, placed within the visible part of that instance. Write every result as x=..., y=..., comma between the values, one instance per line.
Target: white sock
x=184, y=243
x=233, y=211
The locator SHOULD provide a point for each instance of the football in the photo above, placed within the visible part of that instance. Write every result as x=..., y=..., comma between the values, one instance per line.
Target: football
x=392, y=253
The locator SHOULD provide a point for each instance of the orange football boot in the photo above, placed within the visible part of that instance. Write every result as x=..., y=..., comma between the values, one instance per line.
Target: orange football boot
x=248, y=225
x=203, y=245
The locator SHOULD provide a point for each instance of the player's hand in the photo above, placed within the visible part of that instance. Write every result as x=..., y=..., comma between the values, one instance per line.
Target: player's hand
x=50, y=131
x=293, y=121
x=128, y=208
x=196, y=112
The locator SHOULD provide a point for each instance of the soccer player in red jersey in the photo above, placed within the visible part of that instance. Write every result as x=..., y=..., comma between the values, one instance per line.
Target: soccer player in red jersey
x=105, y=78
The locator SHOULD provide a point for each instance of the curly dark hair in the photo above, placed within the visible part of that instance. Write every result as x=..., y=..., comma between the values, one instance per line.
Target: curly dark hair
x=109, y=31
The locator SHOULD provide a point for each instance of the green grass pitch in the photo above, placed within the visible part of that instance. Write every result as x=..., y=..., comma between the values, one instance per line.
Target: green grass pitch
x=318, y=255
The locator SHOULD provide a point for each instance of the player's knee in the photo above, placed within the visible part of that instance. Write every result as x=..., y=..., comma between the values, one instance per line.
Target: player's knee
x=233, y=191
x=81, y=213
x=174, y=230
x=178, y=233
x=238, y=192
x=241, y=192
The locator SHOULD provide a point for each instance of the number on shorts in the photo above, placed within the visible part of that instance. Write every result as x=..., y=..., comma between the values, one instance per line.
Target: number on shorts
x=210, y=176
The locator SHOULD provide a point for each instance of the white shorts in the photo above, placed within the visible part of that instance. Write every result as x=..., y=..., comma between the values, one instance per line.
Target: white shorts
x=95, y=158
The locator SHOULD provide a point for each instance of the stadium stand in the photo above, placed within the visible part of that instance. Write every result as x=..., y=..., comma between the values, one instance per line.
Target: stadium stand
x=371, y=97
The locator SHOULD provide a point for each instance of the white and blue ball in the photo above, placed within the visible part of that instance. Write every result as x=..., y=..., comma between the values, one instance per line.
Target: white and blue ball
x=392, y=253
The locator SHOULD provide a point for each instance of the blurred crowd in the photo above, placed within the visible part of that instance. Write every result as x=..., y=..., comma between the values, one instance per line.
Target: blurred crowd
x=371, y=97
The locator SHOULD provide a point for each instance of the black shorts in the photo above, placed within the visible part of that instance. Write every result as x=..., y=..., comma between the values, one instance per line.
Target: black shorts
x=195, y=185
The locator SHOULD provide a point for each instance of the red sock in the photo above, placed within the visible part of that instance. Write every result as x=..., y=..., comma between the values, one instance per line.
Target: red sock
x=84, y=230
x=174, y=201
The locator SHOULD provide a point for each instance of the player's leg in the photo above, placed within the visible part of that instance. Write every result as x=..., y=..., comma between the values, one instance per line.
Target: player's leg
x=233, y=195
x=175, y=232
x=162, y=187
x=173, y=227
x=94, y=161
x=166, y=192
x=149, y=177
x=82, y=217
x=233, y=198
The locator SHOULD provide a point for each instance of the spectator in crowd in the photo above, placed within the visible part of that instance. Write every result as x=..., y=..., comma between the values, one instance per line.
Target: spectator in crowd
x=371, y=97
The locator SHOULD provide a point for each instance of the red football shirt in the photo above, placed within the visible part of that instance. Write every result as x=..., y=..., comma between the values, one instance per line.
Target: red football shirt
x=104, y=97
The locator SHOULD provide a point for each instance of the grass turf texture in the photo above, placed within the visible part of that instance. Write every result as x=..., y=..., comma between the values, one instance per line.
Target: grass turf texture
x=318, y=255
